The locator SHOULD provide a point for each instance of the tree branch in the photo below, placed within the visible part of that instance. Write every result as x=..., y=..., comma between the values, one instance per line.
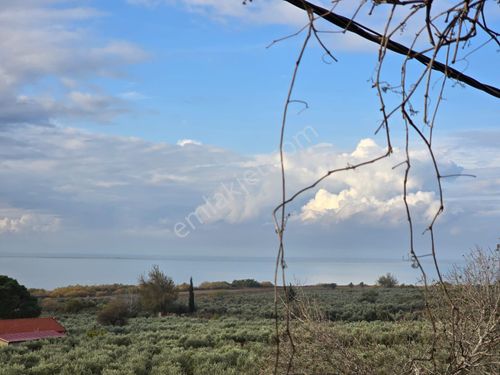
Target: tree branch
x=371, y=35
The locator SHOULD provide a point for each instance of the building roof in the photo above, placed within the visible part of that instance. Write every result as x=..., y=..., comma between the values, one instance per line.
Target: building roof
x=27, y=336
x=13, y=326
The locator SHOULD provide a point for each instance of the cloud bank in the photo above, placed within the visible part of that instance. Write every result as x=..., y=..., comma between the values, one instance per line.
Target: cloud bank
x=61, y=180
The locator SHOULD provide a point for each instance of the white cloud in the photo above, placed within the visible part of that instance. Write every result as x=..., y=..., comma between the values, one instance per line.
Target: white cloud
x=369, y=193
x=21, y=221
x=103, y=181
x=184, y=142
x=91, y=105
x=368, y=209
x=91, y=185
x=279, y=12
x=260, y=12
x=41, y=41
x=132, y=95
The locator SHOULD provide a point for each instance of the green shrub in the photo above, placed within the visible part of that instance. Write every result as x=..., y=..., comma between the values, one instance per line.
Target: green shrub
x=387, y=281
x=214, y=285
x=74, y=305
x=115, y=312
x=369, y=296
x=177, y=308
x=245, y=283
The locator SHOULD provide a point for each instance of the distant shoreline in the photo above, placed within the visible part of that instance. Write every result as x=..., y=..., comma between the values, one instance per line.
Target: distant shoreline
x=210, y=258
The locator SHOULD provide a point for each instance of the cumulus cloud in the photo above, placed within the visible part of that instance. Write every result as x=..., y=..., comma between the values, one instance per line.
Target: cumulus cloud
x=46, y=62
x=22, y=221
x=374, y=193
x=90, y=172
x=369, y=193
x=349, y=203
x=71, y=181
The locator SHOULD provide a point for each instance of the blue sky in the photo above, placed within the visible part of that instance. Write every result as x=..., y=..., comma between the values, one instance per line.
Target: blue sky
x=119, y=119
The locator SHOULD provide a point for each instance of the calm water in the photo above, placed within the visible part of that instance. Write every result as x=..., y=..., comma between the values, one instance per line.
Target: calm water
x=51, y=271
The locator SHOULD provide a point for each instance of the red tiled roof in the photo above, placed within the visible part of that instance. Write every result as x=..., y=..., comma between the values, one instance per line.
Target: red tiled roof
x=10, y=326
x=26, y=336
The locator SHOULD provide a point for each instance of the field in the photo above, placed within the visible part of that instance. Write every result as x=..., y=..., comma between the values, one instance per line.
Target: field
x=168, y=345
x=231, y=333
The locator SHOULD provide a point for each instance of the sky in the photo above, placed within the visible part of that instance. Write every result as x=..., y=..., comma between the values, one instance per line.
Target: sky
x=121, y=121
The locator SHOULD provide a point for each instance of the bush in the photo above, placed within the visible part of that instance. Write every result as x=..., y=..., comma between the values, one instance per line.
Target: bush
x=70, y=306
x=51, y=305
x=114, y=313
x=328, y=285
x=73, y=291
x=176, y=308
x=214, y=285
x=369, y=296
x=266, y=284
x=76, y=305
x=387, y=281
x=291, y=294
x=245, y=283
x=38, y=292
x=184, y=287
x=467, y=305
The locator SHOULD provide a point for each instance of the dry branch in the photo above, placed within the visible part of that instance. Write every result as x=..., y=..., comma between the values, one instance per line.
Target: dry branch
x=350, y=25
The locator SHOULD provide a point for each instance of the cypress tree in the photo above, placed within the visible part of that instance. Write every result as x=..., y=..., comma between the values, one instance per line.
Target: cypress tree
x=192, y=306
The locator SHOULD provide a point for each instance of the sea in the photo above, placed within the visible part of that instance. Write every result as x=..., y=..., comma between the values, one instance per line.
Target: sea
x=50, y=271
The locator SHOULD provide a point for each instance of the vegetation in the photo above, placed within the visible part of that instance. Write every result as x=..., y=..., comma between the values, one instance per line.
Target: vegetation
x=291, y=294
x=157, y=346
x=67, y=305
x=191, y=304
x=458, y=335
x=467, y=317
x=214, y=285
x=16, y=301
x=157, y=292
x=353, y=348
x=230, y=333
x=339, y=304
x=87, y=291
x=387, y=281
x=339, y=330
x=115, y=312
x=245, y=283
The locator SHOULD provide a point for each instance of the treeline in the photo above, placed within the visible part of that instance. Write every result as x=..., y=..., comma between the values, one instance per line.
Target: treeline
x=106, y=290
x=73, y=291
